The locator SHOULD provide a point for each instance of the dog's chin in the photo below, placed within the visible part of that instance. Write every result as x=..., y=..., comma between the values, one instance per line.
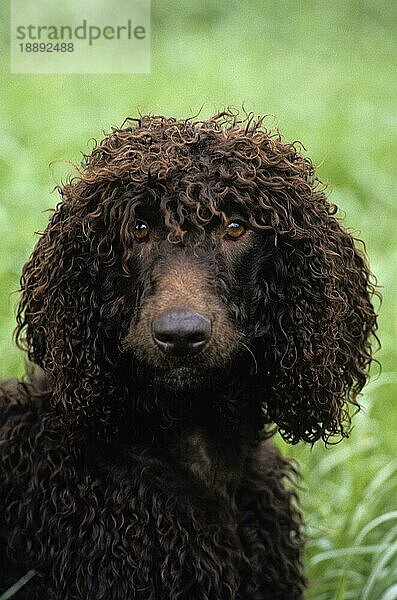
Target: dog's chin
x=181, y=378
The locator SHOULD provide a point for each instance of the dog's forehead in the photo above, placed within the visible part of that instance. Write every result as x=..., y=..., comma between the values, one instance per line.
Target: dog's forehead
x=175, y=205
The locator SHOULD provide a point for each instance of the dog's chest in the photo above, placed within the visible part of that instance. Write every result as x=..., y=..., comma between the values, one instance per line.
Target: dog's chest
x=208, y=458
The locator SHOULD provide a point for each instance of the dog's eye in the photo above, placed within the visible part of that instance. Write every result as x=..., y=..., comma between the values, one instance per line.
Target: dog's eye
x=141, y=231
x=235, y=229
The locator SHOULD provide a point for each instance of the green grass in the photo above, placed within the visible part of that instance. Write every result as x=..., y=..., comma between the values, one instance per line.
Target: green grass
x=350, y=507
x=325, y=72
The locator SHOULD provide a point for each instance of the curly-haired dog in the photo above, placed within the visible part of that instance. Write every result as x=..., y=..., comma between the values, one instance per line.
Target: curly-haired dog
x=192, y=292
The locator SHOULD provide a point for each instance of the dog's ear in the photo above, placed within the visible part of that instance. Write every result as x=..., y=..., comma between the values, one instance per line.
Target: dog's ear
x=68, y=304
x=317, y=319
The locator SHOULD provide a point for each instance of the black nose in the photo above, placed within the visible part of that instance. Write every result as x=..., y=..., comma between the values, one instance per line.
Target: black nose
x=181, y=332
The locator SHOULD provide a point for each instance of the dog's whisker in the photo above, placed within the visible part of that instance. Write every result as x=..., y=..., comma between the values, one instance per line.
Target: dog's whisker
x=252, y=355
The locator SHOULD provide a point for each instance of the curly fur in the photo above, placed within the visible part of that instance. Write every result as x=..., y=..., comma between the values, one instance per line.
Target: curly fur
x=130, y=474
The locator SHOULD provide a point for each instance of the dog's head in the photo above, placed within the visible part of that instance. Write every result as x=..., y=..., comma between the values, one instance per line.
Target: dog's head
x=186, y=256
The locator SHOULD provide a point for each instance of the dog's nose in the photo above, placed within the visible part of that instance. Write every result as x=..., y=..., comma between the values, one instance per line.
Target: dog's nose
x=181, y=332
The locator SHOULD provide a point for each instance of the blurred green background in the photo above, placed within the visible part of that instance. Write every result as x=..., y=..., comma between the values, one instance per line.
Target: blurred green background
x=326, y=73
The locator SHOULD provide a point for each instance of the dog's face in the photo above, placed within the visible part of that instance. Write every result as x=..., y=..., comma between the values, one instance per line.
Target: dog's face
x=185, y=254
x=194, y=304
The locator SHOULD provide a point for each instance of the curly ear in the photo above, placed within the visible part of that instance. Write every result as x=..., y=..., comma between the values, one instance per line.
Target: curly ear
x=319, y=318
x=68, y=307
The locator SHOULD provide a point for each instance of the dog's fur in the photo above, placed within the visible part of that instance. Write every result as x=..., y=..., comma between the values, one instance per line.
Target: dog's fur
x=131, y=473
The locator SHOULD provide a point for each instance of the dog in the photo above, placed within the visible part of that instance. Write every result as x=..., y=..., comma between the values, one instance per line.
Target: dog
x=193, y=293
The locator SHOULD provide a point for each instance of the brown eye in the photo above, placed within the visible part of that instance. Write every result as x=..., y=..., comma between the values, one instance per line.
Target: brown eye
x=235, y=229
x=141, y=231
